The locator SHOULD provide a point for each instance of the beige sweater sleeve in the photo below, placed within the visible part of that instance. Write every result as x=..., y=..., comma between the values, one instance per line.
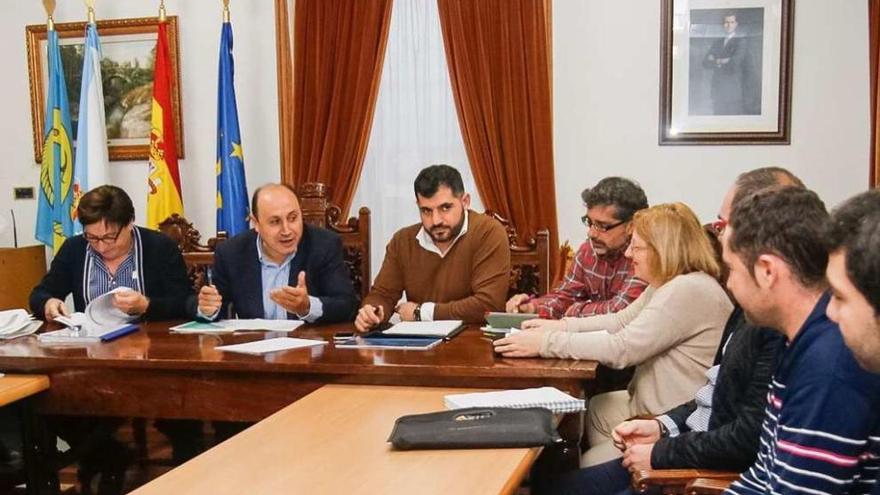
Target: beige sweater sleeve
x=679, y=309
x=612, y=322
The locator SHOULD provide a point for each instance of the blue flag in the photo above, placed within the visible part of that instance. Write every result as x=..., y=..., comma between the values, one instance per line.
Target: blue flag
x=92, y=165
x=54, y=222
x=232, y=196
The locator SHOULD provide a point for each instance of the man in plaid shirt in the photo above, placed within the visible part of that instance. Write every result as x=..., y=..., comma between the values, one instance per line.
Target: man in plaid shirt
x=601, y=279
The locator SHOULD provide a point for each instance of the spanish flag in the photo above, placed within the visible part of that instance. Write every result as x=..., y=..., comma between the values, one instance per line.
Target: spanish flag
x=164, y=196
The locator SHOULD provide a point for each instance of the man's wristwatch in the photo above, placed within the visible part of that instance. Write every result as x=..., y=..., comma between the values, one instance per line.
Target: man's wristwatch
x=664, y=431
x=417, y=313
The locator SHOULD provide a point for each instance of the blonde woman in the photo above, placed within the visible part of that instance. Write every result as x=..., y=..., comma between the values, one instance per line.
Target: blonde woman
x=670, y=333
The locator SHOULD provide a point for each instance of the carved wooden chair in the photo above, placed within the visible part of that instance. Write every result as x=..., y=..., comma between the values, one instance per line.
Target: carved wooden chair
x=529, y=263
x=314, y=200
x=197, y=257
x=678, y=481
x=708, y=486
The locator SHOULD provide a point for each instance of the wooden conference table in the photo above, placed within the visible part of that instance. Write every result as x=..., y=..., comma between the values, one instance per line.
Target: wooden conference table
x=334, y=441
x=156, y=374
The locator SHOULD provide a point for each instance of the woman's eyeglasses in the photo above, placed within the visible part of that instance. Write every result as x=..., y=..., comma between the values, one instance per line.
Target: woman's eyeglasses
x=106, y=239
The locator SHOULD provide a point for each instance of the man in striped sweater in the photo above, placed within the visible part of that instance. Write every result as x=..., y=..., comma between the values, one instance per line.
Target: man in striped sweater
x=823, y=410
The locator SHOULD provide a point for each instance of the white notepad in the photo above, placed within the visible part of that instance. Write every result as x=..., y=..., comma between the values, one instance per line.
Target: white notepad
x=439, y=328
x=547, y=397
x=229, y=326
x=271, y=345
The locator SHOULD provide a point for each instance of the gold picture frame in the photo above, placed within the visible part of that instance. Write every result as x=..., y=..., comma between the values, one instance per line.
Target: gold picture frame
x=128, y=48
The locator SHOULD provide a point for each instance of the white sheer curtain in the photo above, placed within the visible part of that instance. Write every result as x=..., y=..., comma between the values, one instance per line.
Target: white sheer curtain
x=415, y=124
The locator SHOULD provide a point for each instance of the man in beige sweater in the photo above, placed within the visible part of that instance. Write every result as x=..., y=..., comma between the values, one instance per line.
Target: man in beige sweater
x=454, y=265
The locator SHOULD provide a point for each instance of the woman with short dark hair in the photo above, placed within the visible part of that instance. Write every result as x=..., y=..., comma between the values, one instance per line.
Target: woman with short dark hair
x=110, y=253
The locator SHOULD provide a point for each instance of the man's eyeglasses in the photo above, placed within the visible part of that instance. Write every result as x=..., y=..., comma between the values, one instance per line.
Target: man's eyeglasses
x=107, y=239
x=600, y=227
x=718, y=226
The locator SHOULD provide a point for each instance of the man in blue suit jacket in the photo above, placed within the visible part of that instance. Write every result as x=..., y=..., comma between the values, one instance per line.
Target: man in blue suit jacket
x=281, y=269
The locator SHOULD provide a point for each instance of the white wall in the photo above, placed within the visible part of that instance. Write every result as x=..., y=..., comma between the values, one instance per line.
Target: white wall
x=199, y=25
x=606, y=84
x=606, y=92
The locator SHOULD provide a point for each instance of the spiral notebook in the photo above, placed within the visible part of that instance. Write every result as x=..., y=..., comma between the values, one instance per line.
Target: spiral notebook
x=547, y=397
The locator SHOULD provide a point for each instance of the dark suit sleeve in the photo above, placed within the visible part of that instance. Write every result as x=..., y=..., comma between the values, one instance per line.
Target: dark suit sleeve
x=173, y=288
x=58, y=281
x=734, y=445
x=328, y=279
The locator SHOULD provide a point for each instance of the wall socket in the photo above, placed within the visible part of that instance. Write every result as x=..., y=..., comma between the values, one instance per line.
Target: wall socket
x=23, y=193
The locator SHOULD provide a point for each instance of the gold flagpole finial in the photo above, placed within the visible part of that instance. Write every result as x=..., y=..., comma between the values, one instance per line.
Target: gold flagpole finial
x=225, y=10
x=162, y=17
x=49, y=5
x=90, y=5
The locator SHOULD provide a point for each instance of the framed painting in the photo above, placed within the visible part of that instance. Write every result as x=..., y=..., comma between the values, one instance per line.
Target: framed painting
x=725, y=71
x=127, y=62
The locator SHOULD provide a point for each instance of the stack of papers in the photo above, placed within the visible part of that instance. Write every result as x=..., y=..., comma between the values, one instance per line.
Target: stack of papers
x=547, y=397
x=439, y=328
x=16, y=323
x=228, y=326
x=100, y=315
x=270, y=345
x=77, y=335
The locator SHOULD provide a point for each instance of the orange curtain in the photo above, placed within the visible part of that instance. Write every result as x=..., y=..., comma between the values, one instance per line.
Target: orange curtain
x=499, y=57
x=874, y=52
x=284, y=69
x=338, y=51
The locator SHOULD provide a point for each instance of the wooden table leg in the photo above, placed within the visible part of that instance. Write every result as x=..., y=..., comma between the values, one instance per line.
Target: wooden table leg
x=38, y=446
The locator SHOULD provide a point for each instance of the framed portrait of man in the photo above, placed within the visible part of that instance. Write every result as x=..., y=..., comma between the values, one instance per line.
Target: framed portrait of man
x=725, y=71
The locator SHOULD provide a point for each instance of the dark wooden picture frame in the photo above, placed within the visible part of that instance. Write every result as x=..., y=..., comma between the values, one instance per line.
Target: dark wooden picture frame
x=128, y=90
x=725, y=71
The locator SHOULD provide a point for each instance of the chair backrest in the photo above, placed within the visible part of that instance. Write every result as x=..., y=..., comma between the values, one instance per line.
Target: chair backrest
x=529, y=263
x=28, y=264
x=197, y=257
x=314, y=199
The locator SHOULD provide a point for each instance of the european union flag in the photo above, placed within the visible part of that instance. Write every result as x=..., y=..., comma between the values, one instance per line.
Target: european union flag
x=54, y=222
x=232, y=196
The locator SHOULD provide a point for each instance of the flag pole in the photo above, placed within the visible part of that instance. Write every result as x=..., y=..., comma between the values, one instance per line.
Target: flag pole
x=49, y=5
x=90, y=5
x=225, y=10
x=162, y=17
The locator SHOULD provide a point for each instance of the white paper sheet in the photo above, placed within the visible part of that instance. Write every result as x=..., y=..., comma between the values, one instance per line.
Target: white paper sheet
x=271, y=345
x=99, y=315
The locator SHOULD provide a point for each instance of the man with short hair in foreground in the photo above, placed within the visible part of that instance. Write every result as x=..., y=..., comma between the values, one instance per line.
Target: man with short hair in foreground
x=821, y=423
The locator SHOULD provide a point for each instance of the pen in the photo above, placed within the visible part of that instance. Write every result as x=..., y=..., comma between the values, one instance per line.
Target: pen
x=210, y=274
x=454, y=332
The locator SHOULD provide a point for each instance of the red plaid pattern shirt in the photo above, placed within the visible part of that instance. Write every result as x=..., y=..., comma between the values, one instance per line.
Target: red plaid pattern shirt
x=594, y=285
